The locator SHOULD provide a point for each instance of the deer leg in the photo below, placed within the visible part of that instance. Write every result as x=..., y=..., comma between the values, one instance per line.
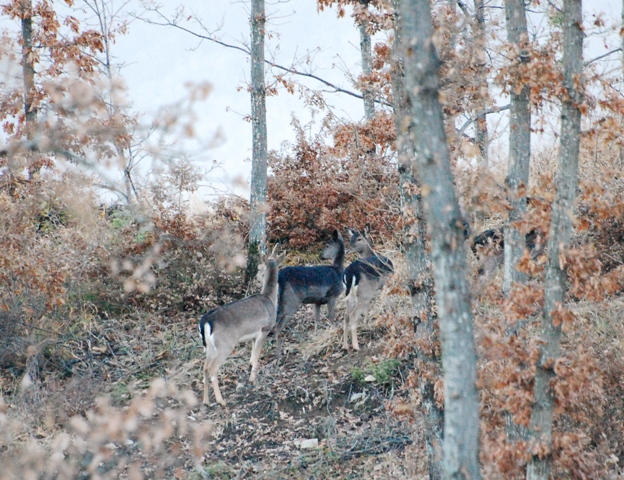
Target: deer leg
x=206, y=402
x=217, y=390
x=360, y=310
x=354, y=339
x=278, y=329
x=331, y=309
x=212, y=370
x=287, y=312
x=255, y=355
x=348, y=318
x=211, y=357
x=317, y=315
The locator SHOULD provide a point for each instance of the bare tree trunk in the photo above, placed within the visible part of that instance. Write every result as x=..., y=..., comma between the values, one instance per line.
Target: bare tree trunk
x=105, y=19
x=558, y=241
x=418, y=260
x=482, y=137
x=519, y=145
x=367, y=67
x=257, y=220
x=622, y=47
x=28, y=72
x=445, y=226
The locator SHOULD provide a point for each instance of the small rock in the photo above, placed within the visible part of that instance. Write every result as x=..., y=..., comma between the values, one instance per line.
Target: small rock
x=308, y=443
x=369, y=378
x=355, y=397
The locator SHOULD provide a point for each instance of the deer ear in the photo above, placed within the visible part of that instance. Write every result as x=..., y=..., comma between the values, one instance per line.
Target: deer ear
x=277, y=248
x=366, y=229
x=281, y=258
x=336, y=235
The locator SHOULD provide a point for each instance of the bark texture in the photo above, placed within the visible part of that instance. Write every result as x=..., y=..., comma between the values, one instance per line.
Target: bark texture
x=257, y=221
x=482, y=137
x=367, y=67
x=445, y=226
x=28, y=73
x=519, y=145
x=558, y=241
x=418, y=260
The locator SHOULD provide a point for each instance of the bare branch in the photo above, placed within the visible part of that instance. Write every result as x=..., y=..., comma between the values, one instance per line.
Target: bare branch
x=169, y=23
x=589, y=62
x=482, y=114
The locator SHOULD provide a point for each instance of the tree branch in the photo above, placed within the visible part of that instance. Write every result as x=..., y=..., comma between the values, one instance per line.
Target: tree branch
x=482, y=114
x=169, y=23
x=589, y=62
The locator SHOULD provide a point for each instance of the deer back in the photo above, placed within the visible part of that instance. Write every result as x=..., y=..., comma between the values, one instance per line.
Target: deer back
x=238, y=321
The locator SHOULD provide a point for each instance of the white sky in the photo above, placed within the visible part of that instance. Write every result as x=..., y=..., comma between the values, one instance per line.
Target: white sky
x=161, y=60
x=158, y=63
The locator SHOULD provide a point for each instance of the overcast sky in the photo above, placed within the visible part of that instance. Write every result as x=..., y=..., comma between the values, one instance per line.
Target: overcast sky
x=159, y=61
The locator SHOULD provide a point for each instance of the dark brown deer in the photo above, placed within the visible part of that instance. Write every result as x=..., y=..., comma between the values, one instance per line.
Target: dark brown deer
x=317, y=285
x=489, y=246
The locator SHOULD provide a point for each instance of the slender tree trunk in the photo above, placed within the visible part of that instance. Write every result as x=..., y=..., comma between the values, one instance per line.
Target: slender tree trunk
x=622, y=46
x=482, y=137
x=367, y=67
x=257, y=227
x=445, y=226
x=518, y=169
x=28, y=72
x=519, y=145
x=558, y=241
x=418, y=260
x=101, y=9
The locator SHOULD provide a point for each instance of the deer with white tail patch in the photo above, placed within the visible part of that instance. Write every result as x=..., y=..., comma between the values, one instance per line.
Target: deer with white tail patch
x=251, y=318
x=363, y=279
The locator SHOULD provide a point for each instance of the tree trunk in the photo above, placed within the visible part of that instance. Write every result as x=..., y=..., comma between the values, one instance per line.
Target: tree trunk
x=101, y=10
x=519, y=145
x=428, y=137
x=367, y=67
x=28, y=72
x=482, y=137
x=418, y=261
x=558, y=241
x=257, y=220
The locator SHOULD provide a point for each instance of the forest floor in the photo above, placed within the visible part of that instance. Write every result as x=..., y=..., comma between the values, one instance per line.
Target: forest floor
x=319, y=412
x=332, y=397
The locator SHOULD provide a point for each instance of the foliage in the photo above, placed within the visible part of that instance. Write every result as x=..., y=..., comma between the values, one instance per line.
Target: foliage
x=98, y=300
x=315, y=188
x=383, y=372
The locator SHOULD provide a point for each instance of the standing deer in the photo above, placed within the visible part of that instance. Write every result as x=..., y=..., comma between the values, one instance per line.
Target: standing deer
x=488, y=247
x=317, y=285
x=363, y=278
x=251, y=318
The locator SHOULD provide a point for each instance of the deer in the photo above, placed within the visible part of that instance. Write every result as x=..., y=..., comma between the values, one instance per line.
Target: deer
x=250, y=318
x=363, y=279
x=317, y=285
x=489, y=245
